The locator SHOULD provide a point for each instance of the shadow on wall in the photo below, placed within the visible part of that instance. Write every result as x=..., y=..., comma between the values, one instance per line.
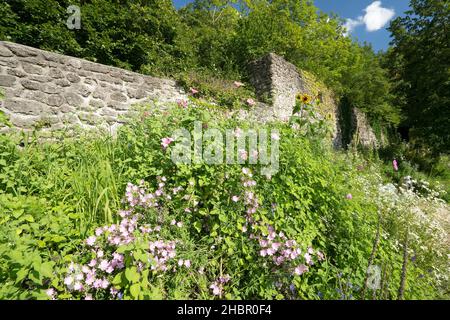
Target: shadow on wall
x=346, y=122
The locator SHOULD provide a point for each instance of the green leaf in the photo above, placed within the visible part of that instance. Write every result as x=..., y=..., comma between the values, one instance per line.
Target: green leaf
x=47, y=269
x=132, y=274
x=135, y=289
x=198, y=226
x=21, y=274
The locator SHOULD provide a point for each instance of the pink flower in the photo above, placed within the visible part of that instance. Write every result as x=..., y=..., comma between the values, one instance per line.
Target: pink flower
x=251, y=102
x=193, y=91
x=103, y=265
x=92, y=263
x=349, y=196
x=395, y=165
x=275, y=136
x=51, y=292
x=237, y=132
x=216, y=289
x=263, y=253
x=91, y=240
x=68, y=281
x=78, y=286
x=173, y=222
x=235, y=198
x=320, y=255
x=263, y=243
x=88, y=297
x=105, y=284
x=301, y=269
x=308, y=258
x=238, y=84
x=187, y=263
x=243, y=154
x=179, y=224
x=109, y=270
x=180, y=262
x=276, y=246
x=244, y=229
x=165, y=142
x=182, y=103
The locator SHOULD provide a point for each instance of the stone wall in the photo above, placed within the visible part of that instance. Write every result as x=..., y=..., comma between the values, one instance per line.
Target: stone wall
x=54, y=91
x=278, y=82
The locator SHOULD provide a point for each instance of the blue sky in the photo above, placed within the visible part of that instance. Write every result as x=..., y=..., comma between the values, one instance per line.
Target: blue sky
x=368, y=19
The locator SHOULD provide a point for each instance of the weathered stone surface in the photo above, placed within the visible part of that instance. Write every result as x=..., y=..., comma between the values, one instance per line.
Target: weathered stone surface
x=55, y=100
x=90, y=81
x=118, y=105
x=31, y=85
x=71, y=91
x=99, y=94
x=62, y=83
x=74, y=99
x=137, y=94
x=52, y=89
x=96, y=103
x=9, y=62
x=30, y=68
x=16, y=73
x=43, y=79
x=23, y=121
x=55, y=73
x=7, y=80
x=23, y=106
x=72, y=77
x=90, y=118
x=108, y=79
x=94, y=67
x=5, y=52
x=75, y=63
x=21, y=51
x=117, y=96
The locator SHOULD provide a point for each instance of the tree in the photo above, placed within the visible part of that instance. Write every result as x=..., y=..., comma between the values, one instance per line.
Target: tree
x=137, y=35
x=419, y=63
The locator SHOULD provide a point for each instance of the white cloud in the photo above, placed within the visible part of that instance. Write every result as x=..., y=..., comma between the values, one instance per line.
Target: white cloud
x=376, y=18
x=351, y=24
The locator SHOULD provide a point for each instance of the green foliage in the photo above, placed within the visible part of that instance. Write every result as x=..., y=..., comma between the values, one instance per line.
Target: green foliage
x=419, y=63
x=57, y=194
x=214, y=89
x=136, y=35
x=208, y=37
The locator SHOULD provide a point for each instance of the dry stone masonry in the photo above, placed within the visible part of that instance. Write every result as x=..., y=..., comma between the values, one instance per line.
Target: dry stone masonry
x=54, y=90
x=278, y=82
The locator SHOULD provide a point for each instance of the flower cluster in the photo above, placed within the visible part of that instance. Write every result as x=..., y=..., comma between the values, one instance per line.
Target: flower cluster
x=106, y=261
x=161, y=252
x=218, y=284
x=274, y=245
x=282, y=250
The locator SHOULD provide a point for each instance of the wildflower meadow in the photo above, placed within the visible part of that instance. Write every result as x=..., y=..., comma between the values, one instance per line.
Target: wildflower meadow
x=114, y=217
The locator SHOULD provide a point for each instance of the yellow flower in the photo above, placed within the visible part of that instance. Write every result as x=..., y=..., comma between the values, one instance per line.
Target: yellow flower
x=304, y=98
